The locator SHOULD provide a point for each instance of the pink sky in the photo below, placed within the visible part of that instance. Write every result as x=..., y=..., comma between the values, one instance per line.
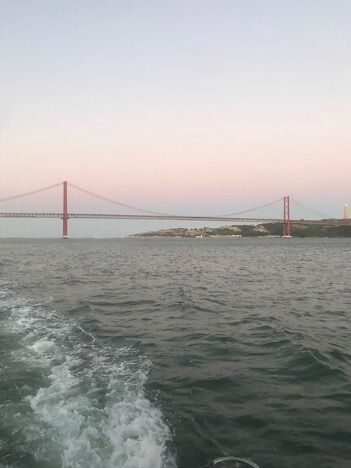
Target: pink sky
x=167, y=106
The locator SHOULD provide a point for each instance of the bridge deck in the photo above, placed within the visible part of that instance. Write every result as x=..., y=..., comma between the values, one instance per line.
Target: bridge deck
x=174, y=218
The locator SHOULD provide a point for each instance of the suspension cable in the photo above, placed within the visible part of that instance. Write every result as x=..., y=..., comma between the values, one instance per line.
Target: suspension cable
x=301, y=205
x=253, y=209
x=116, y=202
x=30, y=193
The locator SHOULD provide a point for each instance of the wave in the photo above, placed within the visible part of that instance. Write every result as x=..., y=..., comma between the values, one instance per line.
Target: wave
x=71, y=401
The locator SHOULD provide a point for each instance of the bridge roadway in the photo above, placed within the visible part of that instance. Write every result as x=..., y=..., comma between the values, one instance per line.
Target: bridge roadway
x=332, y=222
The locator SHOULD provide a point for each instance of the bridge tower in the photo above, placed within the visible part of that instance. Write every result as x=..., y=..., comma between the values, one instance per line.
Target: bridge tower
x=65, y=212
x=286, y=223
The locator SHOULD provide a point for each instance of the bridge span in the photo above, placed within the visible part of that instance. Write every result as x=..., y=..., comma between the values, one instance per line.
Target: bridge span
x=240, y=217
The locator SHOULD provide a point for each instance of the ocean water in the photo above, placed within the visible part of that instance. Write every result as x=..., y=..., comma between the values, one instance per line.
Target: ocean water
x=165, y=353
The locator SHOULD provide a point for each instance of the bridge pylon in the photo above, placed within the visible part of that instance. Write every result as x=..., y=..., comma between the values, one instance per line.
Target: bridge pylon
x=65, y=212
x=286, y=223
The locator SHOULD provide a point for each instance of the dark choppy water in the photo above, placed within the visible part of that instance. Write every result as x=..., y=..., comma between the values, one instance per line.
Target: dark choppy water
x=166, y=353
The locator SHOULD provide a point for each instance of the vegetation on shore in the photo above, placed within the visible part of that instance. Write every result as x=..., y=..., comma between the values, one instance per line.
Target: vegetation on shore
x=260, y=230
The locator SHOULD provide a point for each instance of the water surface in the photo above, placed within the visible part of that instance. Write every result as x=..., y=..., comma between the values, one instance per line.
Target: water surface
x=164, y=353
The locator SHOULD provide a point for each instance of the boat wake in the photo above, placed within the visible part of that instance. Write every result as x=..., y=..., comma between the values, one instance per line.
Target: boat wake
x=81, y=404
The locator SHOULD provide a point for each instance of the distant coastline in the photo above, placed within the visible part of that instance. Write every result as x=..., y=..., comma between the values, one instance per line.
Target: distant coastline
x=260, y=230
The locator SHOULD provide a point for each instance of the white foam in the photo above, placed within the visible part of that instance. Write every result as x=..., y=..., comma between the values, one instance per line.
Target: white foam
x=93, y=411
x=137, y=434
x=128, y=431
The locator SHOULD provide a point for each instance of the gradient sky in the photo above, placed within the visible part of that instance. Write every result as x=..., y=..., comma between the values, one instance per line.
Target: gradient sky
x=186, y=106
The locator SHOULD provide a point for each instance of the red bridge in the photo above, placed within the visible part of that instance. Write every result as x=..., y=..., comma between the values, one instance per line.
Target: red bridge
x=262, y=214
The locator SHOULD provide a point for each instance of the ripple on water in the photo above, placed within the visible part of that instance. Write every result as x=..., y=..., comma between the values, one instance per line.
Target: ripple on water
x=82, y=404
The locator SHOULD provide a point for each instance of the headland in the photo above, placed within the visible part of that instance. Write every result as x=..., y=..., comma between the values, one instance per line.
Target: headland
x=327, y=229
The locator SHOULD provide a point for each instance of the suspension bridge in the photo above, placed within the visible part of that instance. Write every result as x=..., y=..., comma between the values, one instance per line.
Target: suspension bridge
x=37, y=204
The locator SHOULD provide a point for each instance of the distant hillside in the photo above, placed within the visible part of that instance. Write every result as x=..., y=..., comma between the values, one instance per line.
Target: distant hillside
x=261, y=230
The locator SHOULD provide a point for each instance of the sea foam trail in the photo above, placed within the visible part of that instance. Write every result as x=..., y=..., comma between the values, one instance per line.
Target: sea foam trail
x=83, y=404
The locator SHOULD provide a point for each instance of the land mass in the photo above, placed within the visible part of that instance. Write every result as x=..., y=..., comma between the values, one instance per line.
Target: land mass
x=260, y=230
